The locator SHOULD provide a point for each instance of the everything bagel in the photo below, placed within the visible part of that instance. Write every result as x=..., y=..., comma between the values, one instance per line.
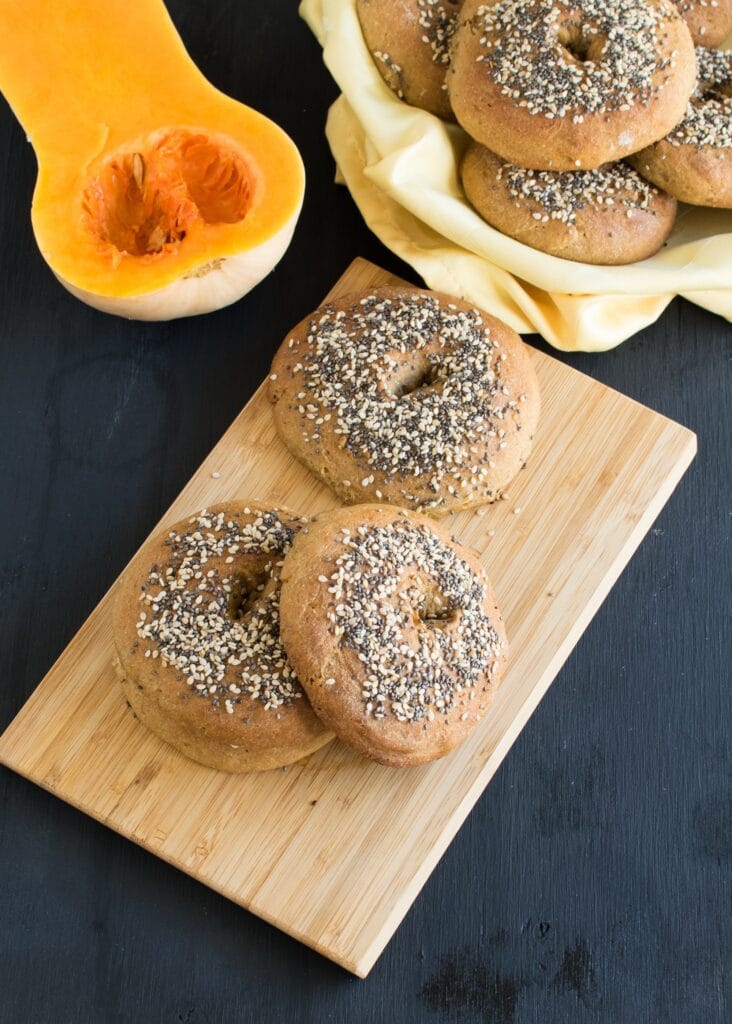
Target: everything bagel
x=694, y=161
x=196, y=632
x=405, y=396
x=394, y=631
x=609, y=215
x=409, y=41
x=568, y=84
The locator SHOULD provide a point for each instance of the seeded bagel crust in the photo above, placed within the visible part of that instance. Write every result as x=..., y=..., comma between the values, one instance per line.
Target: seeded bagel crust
x=569, y=84
x=407, y=397
x=409, y=42
x=173, y=656
x=605, y=216
x=694, y=161
x=393, y=630
x=709, y=21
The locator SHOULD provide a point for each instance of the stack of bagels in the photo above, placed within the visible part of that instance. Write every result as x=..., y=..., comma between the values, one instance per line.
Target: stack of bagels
x=587, y=119
x=248, y=636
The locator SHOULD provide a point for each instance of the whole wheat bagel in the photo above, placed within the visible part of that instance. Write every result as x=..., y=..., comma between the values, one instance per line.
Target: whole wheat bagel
x=609, y=215
x=709, y=21
x=405, y=396
x=694, y=161
x=393, y=629
x=198, y=651
x=569, y=84
x=409, y=41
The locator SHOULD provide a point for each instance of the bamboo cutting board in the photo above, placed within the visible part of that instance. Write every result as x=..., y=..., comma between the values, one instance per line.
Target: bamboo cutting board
x=334, y=849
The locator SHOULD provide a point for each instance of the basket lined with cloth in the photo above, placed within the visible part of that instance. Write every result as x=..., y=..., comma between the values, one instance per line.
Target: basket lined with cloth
x=401, y=166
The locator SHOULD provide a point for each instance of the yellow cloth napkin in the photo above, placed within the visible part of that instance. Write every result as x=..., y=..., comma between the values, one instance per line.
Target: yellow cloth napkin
x=400, y=165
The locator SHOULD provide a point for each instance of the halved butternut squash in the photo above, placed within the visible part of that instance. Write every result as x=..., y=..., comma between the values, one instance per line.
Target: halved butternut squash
x=157, y=195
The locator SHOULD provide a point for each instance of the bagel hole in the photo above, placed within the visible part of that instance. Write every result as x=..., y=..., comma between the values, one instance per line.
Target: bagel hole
x=246, y=591
x=410, y=379
x=713, y=92
x=433, y=609
x=571, y=38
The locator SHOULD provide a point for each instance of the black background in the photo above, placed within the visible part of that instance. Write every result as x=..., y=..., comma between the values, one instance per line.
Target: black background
x=590, y=883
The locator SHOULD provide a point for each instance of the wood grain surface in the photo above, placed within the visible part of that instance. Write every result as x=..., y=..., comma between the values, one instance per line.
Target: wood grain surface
x=335, y=850
x=590, y=881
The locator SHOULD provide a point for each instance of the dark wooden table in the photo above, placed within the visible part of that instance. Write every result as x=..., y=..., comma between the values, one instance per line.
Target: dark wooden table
x=592, y=880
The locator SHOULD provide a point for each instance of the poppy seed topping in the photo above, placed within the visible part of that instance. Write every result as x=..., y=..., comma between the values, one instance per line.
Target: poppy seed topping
x=559, y=195
x=193, y=616
x=407, y=397
x=574, y=58
x=414, y=613
x=708, y=120
x=439, y=22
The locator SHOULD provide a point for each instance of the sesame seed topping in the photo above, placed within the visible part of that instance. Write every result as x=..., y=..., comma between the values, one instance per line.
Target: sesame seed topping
x=708, y=120
x=561, y=194
x=413, y=612
x=225, y=650
x=439, y=23
x=394, y=69
x=587, y=56
x=415, y=390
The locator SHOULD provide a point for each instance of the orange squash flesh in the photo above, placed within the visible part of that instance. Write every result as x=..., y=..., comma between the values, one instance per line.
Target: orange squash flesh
x=146, y=173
